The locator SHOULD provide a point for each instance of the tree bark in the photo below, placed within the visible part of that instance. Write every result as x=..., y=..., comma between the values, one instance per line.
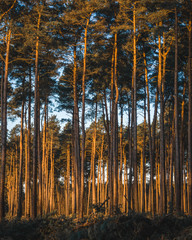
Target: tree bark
x=19, y=210
x=4, y=128
x=115, y=130
x=135, y=114
x=190, y=122
x=162, y=147
x=29, y=148
x=150, y=138
x=177, y=156
x=83, y=123
x=36, y=126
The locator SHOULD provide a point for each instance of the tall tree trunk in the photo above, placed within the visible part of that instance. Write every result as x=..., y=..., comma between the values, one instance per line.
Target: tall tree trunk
x=135, y=114
x=93, y=159
x=36, y=126
x=76, y=163
x=29, y=148
x=89, y=188
x=26, y=163
x=68, y=180
x=190, y=123
x=143, y=164
x=162, y=147
x=83, y=123
x=120, y=189
x=130, y=124
x=125, y=184
x=177, y=159
x=4, y=128
x=52, y=185
x=19, y=210
x=39, y=156
x=150, y=138
x=110, y=162
x=73, y=172
x=182, y=151
x=44, y=152
x=115, y=130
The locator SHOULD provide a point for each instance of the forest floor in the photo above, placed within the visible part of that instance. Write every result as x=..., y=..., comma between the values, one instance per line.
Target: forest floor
x=132, y=226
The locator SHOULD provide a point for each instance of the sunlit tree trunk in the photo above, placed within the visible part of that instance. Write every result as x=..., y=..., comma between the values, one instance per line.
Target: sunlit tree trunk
x=135, y=114
x=19, y=210
x=83, y=123
x=26, y=167
x=115, y=130
x=182, y=152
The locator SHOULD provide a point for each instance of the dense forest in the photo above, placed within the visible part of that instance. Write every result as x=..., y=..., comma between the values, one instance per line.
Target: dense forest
x=106, y=66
